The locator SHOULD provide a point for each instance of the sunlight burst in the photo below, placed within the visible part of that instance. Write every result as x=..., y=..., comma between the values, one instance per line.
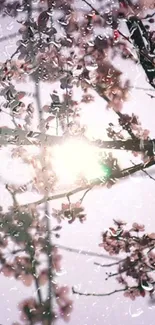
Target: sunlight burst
x=75, y=159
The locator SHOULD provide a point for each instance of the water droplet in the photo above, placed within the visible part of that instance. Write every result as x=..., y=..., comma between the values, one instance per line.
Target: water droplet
x=60, y=273
x=147, y=286
x=91, y=43
x=115, y=233
x=20, y=8
x=137, y=312
x=91, y=66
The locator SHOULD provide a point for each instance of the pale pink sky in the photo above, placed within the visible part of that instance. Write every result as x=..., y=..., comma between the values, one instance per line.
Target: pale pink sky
x=131, y=199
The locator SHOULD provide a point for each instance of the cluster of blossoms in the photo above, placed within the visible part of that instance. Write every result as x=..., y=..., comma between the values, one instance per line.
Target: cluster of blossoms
x=76, y=57
x=135, y=272
x=26, y=233
x=70, y=211
x=33, y=311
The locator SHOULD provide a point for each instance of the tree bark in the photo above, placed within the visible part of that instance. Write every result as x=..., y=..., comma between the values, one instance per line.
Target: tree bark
x=20, y=137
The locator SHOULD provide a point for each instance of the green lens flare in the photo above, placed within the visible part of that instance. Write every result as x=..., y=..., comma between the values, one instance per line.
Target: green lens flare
x=105, y=171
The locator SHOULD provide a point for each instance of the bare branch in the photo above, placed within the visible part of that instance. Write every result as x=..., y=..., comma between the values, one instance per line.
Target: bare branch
x=101, y=93
x=104, y=294
x=145, y=172
x=64, y=194
x=90, y=6
x=98, y=294
x=49, y=257
x=85, y=193
x=21, y=137
x=15, y=203
x=111, y=264
x=80, y=252
x=87, y=253
x=6, y=38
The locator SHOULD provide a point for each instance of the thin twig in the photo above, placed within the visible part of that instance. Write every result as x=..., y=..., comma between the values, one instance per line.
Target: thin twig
x=33, y=262
x=69, y=201
x=99, y=294
x=111, y=264
x=15, y=203
x=80, y=252
x=6, y=38
x=86, y=253
x=85, y=193
x=148, y=16
x=94, y=9
x=106, y=98
x=144, y=171
x=141, y=88
x=103, y=294
x=50, y=271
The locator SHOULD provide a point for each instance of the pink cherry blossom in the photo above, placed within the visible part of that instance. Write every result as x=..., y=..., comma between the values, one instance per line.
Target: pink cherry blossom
x=137, y=227
x=132, y=293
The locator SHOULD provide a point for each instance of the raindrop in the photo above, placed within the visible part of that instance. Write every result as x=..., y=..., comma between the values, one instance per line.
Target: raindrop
x=135, y=313
x=91, y=43
x=94, y=303
x=109, y=21
x=20, y=8
x=146, y=285
x=60, y=273
x=91, y=66
x=152, y=306
x=13, y=289
x=97, y=269
x=63, y=23
x=115, y=233
x=50, y=13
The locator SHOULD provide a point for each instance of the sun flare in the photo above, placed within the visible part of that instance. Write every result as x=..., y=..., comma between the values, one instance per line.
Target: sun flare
x=76, y=158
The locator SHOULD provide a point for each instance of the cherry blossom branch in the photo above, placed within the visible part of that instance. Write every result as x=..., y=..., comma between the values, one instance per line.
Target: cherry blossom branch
x=99, y=294
x=125, y=37
x=116, y=174
x=49, y=255
x=85, y=193
x=148, y=16
x=104, y=294
x=35, y=276
x=15, y=203
x=10, y=36
x=111, y=264
x=78, y=251
x=21, y=137
x=101, y=93
x=145, y=172
x=87, y=253
x=92, y=7
x=64, y=194
x=43, y=164
x=141, y=88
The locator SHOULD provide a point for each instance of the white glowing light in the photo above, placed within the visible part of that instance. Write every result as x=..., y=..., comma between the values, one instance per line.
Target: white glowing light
x=75, y=158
